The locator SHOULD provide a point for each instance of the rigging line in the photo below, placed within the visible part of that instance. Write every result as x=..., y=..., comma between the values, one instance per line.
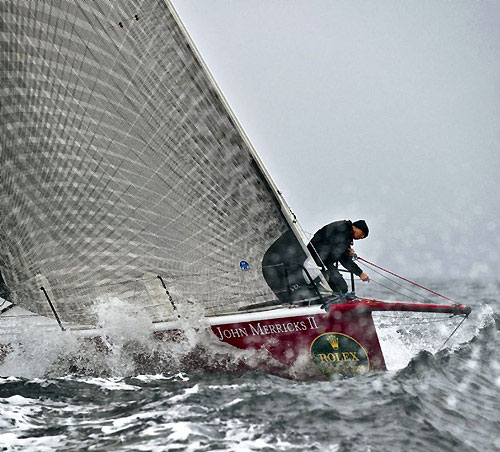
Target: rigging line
x=453, y=332
x=407, y=280
x=398, y=284
x=395, y=291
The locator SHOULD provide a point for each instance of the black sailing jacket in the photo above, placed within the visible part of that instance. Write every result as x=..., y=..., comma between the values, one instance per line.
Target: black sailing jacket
x=332, y=243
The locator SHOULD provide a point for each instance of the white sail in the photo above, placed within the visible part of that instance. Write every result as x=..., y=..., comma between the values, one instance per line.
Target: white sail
x=121, y=161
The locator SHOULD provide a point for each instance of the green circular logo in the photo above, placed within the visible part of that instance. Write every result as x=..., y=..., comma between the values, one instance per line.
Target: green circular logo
x=339, y=356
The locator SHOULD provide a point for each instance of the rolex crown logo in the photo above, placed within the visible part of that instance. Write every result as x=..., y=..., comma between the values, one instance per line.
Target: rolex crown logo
x=334, y=341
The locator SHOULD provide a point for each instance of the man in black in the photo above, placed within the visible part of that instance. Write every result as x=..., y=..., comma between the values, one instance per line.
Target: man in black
x=332, y=244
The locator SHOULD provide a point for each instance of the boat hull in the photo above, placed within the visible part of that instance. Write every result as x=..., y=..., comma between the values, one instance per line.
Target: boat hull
x=327, y=344
x=301, y=342
x=339, y=343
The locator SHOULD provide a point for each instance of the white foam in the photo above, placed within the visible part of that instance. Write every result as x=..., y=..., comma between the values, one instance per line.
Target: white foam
x=403, y=335
x=181, y=430
x=129, y=421
x=148, y=378
x=232, y=402
x=44, y=444
x=111, y=384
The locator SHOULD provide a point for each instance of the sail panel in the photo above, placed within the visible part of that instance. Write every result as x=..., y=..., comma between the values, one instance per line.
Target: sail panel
x=120, y=161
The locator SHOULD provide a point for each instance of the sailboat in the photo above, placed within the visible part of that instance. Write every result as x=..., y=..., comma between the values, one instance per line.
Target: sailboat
x=126, y=175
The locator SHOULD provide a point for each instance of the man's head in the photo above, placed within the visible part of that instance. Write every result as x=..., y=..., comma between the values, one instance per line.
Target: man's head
x=360, y=230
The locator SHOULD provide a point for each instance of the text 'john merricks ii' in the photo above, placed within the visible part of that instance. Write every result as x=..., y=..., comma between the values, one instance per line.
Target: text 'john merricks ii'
x=257, y=329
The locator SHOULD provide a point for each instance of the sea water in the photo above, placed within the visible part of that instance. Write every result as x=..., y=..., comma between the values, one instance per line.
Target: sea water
x=57, y=395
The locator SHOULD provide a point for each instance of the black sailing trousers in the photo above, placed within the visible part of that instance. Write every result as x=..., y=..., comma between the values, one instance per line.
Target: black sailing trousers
x=335, y=279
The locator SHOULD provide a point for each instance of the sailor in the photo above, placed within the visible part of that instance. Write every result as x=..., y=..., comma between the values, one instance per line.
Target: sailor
x=333, y=244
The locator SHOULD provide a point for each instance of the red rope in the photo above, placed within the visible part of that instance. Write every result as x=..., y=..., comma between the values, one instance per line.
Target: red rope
x=407, y=280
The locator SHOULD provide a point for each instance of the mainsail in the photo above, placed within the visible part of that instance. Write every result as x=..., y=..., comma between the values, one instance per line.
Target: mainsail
x=121, y=162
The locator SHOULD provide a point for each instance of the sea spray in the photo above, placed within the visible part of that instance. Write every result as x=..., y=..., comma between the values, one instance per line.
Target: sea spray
x=124, y=343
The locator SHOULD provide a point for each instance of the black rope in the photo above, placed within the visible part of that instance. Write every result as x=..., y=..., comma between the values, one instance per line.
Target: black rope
x=395, y=291
x=453, y=332
x=398, y=284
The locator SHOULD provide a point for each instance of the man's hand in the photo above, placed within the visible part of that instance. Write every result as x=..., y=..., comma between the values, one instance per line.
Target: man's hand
x=351, y=251
x=364, y=277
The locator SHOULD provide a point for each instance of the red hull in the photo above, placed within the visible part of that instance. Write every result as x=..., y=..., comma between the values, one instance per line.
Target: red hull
x=342, y=342
x=307, y=341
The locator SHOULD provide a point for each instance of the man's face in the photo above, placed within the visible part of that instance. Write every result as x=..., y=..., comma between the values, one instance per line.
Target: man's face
x=358, y=234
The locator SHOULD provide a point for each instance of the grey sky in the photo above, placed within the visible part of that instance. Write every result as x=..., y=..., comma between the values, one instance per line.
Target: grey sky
x=386, y=110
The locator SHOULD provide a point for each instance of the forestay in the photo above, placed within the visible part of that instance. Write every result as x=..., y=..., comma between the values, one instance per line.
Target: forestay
x=121, y=161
